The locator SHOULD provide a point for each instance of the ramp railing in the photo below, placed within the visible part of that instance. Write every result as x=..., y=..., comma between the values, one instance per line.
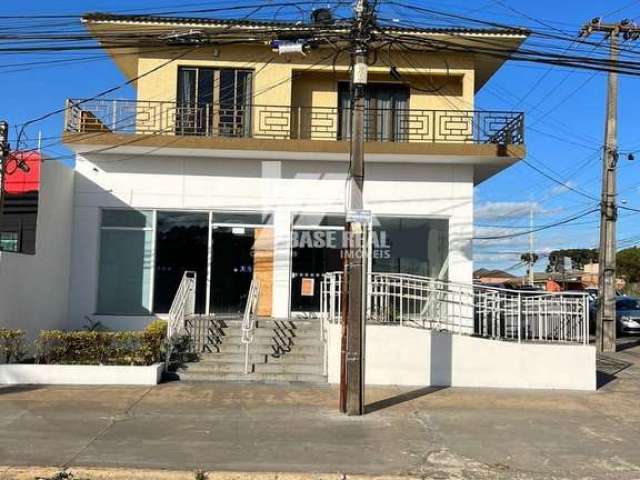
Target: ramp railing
x=182, y=306
x=248, y=320
x=500, y=314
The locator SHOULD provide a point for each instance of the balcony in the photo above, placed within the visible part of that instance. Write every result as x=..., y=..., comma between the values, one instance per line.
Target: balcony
x=93, y=118
x=322, y=132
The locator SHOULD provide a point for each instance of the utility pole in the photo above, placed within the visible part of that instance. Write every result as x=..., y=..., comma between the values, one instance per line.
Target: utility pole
x=356, y=228
x=4, y=155
x=531, y=245
x=606, y=319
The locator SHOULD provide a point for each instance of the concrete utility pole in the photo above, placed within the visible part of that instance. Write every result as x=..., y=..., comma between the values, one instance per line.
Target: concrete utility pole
x=531, y=263
x=606, y=320
x=356, y=228
x=4, y=155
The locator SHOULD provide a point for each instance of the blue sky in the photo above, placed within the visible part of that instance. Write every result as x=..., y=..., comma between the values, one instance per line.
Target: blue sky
x=564, y=117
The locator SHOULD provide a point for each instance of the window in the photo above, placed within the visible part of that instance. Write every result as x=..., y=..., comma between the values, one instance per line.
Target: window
x=386, y=112
x=9, y=241
x=316, y=246
x=125, y=268
x=628, y=304
x=214, y=102
x=418, y=246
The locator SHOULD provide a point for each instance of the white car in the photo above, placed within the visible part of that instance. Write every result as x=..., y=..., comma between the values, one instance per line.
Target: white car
x=628, y=314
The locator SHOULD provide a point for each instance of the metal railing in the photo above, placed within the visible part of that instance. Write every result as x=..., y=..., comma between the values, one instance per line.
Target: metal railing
x=500, y=314
x=182, y=306
x=248, y=320
x=292, y=122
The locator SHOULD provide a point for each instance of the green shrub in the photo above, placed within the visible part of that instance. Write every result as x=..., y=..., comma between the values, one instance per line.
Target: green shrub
x=100, y=348
x=12, y=347
x=158, y=326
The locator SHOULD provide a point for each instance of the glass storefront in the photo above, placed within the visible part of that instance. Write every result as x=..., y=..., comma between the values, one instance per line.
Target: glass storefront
x=181, y=244
x=418, y=246
x=314, y=252
x=138, y=255
x=126, y=262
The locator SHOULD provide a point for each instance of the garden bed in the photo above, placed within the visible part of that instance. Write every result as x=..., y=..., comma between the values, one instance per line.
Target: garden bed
x=84, y=357
x=41, y=374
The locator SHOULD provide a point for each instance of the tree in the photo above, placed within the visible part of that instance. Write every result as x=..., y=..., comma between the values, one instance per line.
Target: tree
x=579, y=258
x=628, y=264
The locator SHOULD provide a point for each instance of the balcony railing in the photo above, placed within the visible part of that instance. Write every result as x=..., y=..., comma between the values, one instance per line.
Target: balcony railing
x=287, y=122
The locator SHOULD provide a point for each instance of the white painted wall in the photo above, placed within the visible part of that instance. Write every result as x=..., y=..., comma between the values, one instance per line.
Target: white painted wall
x=34, y=289
x=411, y=356
x=38, y=374
x=279, y=186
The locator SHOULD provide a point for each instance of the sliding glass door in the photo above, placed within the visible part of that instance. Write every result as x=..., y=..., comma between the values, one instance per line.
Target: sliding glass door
x=213, y=102
x=385, y=116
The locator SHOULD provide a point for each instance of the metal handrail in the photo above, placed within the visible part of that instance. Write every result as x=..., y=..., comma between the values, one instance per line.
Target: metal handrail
x=501, y=314
x=248, y=320
x=182, y=306
x=285, y=122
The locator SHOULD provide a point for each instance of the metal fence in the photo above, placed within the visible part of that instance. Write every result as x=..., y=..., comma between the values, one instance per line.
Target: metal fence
x=292, y=122
x=415, y=301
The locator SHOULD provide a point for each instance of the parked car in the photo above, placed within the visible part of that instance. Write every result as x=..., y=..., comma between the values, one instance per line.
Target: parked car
x=627, y=315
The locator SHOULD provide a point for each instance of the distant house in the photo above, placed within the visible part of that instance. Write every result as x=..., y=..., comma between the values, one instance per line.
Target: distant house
x=483, y=275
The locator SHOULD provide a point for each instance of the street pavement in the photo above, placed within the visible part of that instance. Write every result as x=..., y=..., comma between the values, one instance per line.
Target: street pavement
x=421, y=432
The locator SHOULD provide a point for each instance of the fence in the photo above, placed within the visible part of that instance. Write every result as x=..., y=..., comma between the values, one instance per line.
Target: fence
x=292, y=122
x=411, y=300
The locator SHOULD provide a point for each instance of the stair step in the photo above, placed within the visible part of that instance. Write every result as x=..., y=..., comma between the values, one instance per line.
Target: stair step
x=268, y=349
x=238, y=367
x=268, y=333
x=261, y=322
x=260, y=377
x=293, y=368
x=292, y=357
x=273, y=340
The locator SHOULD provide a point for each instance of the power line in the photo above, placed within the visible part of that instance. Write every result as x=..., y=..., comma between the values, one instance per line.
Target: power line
x=545, y=227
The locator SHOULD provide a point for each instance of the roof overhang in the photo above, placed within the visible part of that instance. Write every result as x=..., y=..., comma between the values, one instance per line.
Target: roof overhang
x=498, y=44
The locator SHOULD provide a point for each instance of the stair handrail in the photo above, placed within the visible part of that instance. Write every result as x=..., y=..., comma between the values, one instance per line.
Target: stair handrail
x=183, y=305
x=248, y=319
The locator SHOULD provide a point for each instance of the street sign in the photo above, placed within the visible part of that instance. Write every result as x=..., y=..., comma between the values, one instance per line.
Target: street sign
x=359, y=216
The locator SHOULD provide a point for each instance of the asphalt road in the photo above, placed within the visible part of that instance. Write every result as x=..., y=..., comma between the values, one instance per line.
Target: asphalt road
x=431, y=433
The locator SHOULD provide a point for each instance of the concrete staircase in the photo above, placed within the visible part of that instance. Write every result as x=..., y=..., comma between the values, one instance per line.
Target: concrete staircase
x=283, y=350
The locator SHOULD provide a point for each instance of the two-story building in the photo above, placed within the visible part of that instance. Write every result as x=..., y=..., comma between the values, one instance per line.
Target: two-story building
x=232, y=155
x=223, y=184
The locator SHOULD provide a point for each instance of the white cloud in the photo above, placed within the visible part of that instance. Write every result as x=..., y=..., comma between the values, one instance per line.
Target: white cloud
x=506, y=210
x=566, y=186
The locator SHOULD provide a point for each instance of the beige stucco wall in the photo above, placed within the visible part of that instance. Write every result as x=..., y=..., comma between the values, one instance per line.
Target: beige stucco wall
x=304, y=81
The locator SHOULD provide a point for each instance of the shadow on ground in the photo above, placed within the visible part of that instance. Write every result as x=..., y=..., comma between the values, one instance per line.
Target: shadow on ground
x=607, y=368
x=400, y=398
x=9, y=389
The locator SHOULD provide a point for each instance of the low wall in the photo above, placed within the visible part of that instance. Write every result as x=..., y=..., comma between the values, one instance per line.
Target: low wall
x=17, y=374
x=411, y=356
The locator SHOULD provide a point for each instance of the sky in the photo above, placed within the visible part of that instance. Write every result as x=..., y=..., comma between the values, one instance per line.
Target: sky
x=564, y=110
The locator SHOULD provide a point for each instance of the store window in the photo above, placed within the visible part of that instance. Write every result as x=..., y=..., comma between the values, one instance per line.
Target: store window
x=316, y=246
x=126, y=262
x=181, y=244
x=418, y=246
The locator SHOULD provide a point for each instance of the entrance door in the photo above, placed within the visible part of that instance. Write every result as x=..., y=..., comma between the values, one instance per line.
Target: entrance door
x=231, y=268
x=314, y=253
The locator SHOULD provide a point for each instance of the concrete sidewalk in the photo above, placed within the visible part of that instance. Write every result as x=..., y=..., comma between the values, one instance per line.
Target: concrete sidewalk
x=430, y=433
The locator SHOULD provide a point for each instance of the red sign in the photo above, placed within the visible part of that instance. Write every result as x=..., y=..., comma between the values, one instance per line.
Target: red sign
x=16, y=179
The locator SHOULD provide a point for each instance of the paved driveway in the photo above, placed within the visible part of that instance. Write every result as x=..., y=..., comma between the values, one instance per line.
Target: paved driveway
x=446, y=433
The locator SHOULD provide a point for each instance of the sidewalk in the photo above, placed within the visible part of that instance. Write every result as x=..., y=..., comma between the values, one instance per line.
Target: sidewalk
x=432, y=433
